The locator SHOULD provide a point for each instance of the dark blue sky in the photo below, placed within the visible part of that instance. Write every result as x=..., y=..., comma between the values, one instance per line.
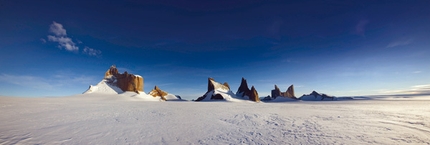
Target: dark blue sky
x=54, y=48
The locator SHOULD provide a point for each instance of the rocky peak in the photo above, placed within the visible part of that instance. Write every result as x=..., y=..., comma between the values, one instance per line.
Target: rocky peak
x=126, y=81
x=290, y=92
x=276, y=92
x=112, y=71
x=158, y=92
x=243, y=88
x=226, y=84
x=253, y=95
x=212, y=86
x=314, y=93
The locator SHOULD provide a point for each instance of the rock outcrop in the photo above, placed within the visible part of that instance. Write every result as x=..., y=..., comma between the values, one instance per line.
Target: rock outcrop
x=158, y=92
x=243, y=88
x=253, y=95
x=243, y=91
x=315, y=96
x=276, y=92
x=216, y=91
x=125, y=81
x=289, y=93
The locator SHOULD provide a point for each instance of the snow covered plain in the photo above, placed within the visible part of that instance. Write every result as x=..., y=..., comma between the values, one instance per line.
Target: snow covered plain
x=122, y=119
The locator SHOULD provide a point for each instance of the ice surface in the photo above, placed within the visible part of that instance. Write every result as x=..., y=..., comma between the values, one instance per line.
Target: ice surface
x=282, y=99
x=126, y=118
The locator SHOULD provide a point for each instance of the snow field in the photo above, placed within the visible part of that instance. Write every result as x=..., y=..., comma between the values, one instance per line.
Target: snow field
x=113, y=119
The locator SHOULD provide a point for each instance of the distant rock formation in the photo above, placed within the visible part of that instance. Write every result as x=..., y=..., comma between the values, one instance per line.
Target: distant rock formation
x=276, y=92
x=243, y=88
x=216, y=91
x=158, y=92
x=125, y=81
x=315, y=96
x=289, y=93
x=253, y=95
x=243, y=91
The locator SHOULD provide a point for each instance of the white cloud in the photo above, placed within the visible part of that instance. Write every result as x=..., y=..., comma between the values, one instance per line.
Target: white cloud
x=57, y=29
x=92, y=52
x=400, y=43
x=61, y=37
x=64, y=42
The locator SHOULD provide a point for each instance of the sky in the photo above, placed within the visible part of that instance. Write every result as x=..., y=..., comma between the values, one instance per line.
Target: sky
x=341, y=48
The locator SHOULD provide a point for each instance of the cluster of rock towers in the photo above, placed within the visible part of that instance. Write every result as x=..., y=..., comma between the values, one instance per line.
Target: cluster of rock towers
x=135, y=83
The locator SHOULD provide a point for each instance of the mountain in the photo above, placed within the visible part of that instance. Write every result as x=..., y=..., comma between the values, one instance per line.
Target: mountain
x=288, y=94
x=157, y=92
x=244, y=92
x=315, y=96
x=217, y=91
x=125, y=81
x=123, y=85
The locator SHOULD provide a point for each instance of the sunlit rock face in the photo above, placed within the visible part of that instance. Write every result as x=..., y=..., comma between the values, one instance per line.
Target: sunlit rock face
x=125, y=81
x=289, y=93
x=253, y=95
x=158, y=92
x=216, y=91
x=244, y=92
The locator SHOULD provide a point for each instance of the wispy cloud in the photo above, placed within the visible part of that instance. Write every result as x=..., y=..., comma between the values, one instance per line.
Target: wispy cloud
x=361, y=27
x=57, y=29
x=26, y=81
x=50, y=83
x=91, y=51
x=64, y=42
x=59, y=35
x=400, y=42
x=413, y=90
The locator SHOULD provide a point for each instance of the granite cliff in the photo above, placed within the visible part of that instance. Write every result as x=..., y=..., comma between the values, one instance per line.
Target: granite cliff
x=125, y=81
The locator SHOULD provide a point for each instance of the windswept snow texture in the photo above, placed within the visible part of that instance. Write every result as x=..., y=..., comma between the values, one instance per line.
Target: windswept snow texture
x=127, y=119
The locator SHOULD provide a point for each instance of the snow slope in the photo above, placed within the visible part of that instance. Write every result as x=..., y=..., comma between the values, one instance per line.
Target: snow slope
x=103, y=87
x=111, y=91
x=112, y=119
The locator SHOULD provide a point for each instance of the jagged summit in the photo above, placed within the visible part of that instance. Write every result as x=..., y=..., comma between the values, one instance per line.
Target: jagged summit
x=244, y=92
x=289, y=93
x=157, y=92
x=216, y=91
x=242, y=88
x=125, y=81
x=315, y=96
x=253, y=95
